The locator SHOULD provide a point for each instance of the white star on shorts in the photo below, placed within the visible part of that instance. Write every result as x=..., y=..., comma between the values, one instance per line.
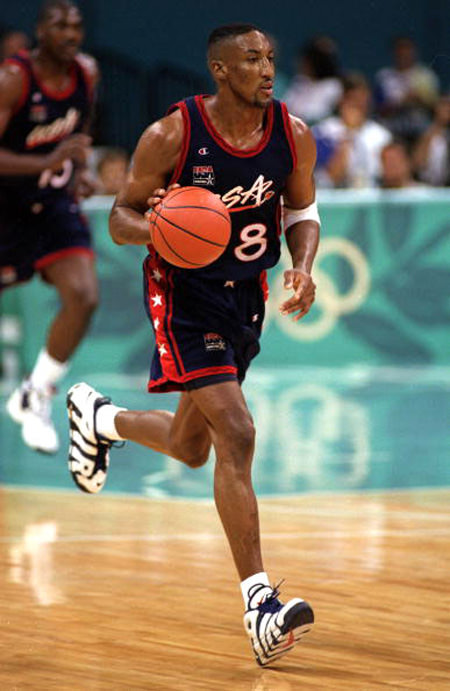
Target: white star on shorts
x=157, y=300
x=156, y=323
x=157, y=275
x=162, y=349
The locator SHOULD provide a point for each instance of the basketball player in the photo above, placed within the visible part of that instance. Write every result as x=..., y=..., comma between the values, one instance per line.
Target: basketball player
x=45, y=104
x=244, y=146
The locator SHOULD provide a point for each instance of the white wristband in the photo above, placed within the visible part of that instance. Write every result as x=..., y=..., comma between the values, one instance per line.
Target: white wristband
x=291, y=216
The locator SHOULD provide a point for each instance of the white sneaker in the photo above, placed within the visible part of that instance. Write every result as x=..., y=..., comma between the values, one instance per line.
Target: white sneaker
x=274, y=628
x=32, y=408
x=88, y=450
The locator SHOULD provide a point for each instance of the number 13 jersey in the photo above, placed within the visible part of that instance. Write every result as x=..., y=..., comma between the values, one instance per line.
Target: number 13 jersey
x=249, y=181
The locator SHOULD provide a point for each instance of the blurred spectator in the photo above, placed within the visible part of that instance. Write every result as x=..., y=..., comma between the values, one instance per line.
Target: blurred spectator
x=112, y=169
x=432, y=152
x=406, y=92
x=349, y=144
x=12, y=42
x=396, y=166
x=315, y=91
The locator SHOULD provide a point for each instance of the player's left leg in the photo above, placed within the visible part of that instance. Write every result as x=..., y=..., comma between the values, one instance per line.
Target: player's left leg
x=74, y=278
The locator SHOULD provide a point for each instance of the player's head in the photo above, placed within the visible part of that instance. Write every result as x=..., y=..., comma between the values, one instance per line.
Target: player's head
x=60, y=29
x=241, y=60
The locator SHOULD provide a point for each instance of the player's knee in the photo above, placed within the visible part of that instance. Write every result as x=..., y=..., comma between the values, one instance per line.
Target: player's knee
x=238, y=434
x=194, y=456
x=81, y=298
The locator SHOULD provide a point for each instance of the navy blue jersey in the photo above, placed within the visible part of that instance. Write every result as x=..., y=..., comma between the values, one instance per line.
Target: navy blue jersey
x=41, y=120
x=249, y=181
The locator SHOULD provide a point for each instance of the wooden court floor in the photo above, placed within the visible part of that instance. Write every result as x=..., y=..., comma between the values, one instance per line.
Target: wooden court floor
x=113, y=592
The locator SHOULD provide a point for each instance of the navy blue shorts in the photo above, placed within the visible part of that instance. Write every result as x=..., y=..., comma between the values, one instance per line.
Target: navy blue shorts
x=206, y=331
x=36, y=234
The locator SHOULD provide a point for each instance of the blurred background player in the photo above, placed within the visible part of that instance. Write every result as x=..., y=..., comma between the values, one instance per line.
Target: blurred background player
x=208, y=322
x=45, y=106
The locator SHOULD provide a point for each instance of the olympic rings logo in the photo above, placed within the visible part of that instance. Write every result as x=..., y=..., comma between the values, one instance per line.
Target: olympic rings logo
x=330, y=302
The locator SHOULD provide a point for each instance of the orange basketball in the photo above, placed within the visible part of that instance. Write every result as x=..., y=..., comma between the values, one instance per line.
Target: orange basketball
x=190, y=228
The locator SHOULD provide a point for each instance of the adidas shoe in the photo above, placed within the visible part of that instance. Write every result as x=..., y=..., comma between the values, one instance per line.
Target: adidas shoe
x=88, y=450
x=275, y=628
x=32, y=407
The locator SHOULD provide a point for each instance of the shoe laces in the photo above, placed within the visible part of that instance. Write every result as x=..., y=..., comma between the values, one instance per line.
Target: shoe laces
x=271, y=603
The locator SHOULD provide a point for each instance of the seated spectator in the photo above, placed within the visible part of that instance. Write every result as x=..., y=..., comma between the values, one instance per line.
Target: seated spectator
x=112, y=169
x=396, y=167
x=315, y=91
x=432, y=152
x=12, y=42
x=406, y=92
x=349, y=144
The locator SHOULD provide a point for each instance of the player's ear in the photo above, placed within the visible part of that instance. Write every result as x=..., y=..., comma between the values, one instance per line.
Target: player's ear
x=218, y=69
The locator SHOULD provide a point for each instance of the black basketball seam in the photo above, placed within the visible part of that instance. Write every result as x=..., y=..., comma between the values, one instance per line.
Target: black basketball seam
x=204, y=208
x=194, y=235
x=176, y=193
x=172, y=250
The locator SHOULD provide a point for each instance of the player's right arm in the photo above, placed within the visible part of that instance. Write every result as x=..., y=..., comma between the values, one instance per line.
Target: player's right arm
x=153, y=162
x=11, y=163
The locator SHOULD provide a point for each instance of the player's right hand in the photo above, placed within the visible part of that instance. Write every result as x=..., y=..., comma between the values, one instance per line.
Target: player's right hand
x=157, y=196
x=74, y=147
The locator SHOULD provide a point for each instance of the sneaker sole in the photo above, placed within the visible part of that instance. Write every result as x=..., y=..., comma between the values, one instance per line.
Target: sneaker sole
x=298, y=622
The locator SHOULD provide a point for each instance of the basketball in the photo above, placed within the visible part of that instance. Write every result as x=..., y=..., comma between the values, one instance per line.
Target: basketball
x=190, y=228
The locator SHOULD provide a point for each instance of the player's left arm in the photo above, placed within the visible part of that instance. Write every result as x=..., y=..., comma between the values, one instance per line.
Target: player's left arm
x=301, y=223
x=85, y=184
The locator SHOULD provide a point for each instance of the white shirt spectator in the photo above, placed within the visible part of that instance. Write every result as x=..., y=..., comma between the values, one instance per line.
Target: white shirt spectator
x=313, y=99
x=365, y=145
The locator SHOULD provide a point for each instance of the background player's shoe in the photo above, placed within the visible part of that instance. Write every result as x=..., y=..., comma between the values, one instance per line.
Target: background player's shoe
x=32, y=408
x=274, y=628
x=88, y=451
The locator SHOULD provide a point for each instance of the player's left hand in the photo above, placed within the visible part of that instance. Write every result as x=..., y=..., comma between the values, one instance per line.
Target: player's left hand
x=304, y=293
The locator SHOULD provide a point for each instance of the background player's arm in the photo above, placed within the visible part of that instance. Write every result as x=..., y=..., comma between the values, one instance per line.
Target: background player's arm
x=74, y=147
x=302, y=237
x=154, y=160
x=84, y=182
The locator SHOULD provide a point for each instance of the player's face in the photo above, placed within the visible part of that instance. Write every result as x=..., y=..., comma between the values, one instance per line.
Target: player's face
x=61, y=34
x=250, y=69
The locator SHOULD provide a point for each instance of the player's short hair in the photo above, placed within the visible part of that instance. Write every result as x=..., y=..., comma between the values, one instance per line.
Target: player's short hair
x=226, y=31
x=49, y=5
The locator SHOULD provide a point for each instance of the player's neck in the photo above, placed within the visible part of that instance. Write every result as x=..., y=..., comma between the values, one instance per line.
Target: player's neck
x=240, y=124
x=48, y=68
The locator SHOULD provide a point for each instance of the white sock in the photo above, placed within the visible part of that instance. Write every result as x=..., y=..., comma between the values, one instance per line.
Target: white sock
x=104, y=421
x=47, y=371
x=254, y=589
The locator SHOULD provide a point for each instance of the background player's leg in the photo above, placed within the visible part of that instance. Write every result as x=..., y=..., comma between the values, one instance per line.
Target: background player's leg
x=30, y=405
x=75, y=280
x=184, y=435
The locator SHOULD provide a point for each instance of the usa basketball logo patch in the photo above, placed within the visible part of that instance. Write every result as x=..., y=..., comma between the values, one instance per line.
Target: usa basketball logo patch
x=214, y=342
x=203, y=175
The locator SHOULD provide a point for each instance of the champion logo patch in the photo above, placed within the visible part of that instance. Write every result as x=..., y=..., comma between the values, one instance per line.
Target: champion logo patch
x=204, y=151
x=214, y=342
x=203, y=175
